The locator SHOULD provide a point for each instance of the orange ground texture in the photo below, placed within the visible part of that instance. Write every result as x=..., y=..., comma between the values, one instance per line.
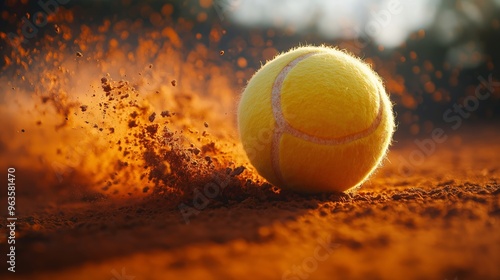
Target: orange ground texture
x=438, y=219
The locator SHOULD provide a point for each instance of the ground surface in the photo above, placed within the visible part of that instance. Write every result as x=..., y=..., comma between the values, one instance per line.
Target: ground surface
x=437, y=219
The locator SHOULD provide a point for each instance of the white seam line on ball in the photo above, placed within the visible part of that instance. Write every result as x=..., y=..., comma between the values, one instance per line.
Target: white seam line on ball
x=282, y=126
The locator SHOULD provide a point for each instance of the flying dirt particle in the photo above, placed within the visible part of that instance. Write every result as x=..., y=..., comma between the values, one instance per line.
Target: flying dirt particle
x=57, y=29
x=174, y=83
x=111, y=130
x=134, y=114
x=221, y=52
x=205, y=124
x=150, y=66
x=83, y=108
x=165, y=114
x=22, y=130
x=39, y=123
x=132, y=124
x=105, y=85
x=79, y=54
x=13, y=88
x=152, y=117
x=208, y=159
x=145, y=189
x=105, y=188
x=195, y=151
x=237, y=171
x=152, y=129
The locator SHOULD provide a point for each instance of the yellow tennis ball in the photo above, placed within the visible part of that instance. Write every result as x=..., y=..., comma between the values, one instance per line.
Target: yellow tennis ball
x=315, y=119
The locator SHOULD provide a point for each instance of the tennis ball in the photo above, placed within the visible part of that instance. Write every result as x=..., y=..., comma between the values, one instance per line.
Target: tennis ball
x=315, y=119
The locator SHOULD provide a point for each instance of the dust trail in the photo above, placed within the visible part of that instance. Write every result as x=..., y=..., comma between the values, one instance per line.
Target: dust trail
x=91, y=115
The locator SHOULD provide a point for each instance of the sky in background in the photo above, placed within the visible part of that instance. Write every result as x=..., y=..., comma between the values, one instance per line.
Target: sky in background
x=387, y=22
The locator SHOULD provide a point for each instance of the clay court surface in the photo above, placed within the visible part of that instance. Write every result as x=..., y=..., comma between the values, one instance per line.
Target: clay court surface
x=439, y=220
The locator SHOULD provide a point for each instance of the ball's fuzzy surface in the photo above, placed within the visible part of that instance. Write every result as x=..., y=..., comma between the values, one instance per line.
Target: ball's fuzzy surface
x=315, y=119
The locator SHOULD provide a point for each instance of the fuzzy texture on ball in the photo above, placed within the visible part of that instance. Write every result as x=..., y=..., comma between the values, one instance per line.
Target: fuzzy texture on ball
x=315, y=119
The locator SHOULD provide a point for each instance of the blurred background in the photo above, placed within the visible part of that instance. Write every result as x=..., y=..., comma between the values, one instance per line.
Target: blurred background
x=432, y=54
